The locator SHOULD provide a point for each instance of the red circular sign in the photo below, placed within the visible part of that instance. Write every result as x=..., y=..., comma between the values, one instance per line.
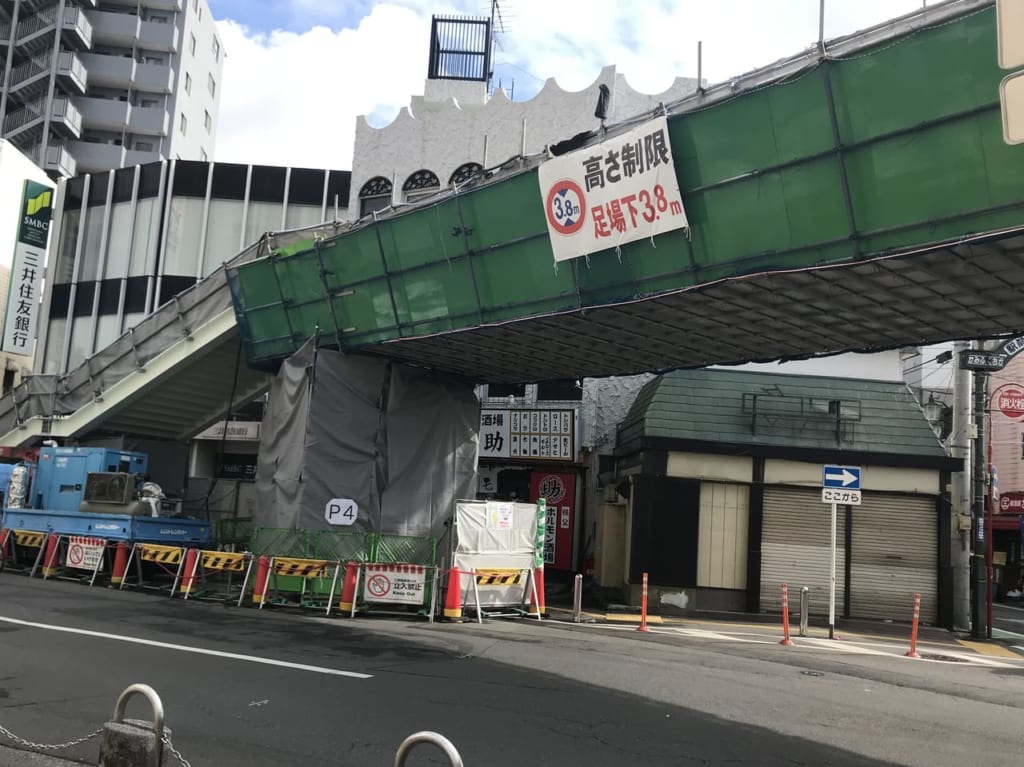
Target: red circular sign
x=378, y=585
x=566, y=207
x=551, y=489
x=1010, y=400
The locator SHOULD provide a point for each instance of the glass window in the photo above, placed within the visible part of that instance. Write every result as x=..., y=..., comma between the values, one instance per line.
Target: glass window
x=81, y=341
x=184, y=230
x=222, y=232
x=422, y=183
x=375, y=195
x=119, y=246
x=211, y=85
x=192, y=44
x=54, y=354
x=207, y=121
x=465, y=173
x=65, y=268
x=188, y=87
x=216, y=49
x=145, y=237
x=263, y=217
x=107, y=330
x=183, y=124
x=89, y=269
x=302, y=215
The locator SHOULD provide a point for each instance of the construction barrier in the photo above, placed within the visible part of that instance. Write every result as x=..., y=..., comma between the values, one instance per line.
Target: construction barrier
x=85, y=553
x=13, y=539
x=162, y=558
x=232, y=533
x=202, y=566
x=393, y=584
x=271, y=569
x=499, y=577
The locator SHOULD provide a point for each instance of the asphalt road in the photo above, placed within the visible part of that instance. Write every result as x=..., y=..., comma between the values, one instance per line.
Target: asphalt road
x=342, y=692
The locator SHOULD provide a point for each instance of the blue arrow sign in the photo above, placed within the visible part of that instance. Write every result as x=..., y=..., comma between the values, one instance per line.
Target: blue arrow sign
x=846, y=477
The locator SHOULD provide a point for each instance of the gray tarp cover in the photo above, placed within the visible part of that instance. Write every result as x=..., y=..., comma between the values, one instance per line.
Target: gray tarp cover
x=399, y=441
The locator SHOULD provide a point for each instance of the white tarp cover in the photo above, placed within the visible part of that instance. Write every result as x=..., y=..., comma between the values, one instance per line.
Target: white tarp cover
x=399, y=441
x=492, y=535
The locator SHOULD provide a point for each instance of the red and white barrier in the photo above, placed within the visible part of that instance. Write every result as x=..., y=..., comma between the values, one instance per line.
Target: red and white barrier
x=786, y=641
x=913, y=628
x=643, y=607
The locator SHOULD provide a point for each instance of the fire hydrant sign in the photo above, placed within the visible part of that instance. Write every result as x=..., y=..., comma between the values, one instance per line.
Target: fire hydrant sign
x=621, y=190
x=395, y=584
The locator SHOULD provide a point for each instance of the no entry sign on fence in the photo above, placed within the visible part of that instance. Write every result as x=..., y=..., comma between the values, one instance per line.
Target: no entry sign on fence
x=395, y=584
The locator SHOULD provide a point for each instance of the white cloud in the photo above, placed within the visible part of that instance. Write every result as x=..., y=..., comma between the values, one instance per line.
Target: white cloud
x=293, y=99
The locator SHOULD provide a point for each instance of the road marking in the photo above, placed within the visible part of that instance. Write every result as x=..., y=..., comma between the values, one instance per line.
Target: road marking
x=186, y=648
x=984, y=648
x=626, y=618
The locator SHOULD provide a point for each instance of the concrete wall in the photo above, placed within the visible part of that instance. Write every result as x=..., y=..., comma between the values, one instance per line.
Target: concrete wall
x=454, y=123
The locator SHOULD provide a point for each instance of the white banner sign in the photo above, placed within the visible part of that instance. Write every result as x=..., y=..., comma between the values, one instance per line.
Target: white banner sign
x=546, y=434
x=341, y=511
x=396, y=584
x=84, y=553
x=27, y=269
x=621, y=190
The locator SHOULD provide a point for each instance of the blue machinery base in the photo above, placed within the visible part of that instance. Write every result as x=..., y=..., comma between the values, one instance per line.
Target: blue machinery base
x=113, y=527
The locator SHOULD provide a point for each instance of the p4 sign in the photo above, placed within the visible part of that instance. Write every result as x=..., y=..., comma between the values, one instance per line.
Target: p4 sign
x=341, y=511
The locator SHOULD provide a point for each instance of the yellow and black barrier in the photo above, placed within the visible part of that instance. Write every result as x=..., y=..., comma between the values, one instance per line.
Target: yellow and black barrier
x=302, y=568
x=500, y=577
x=164, y=557
x=201, y=564
x=11, y=539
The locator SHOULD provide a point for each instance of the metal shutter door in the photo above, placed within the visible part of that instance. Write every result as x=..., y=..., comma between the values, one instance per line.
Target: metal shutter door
x=795, y=549
x=895, y=545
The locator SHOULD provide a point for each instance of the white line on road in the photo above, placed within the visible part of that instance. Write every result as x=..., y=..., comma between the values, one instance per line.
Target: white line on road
x=186, y=648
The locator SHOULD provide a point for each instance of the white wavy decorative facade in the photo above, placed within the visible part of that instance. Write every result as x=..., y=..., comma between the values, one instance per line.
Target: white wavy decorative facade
x=455, y=126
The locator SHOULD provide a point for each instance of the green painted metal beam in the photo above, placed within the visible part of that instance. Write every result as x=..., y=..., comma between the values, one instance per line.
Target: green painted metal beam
x=847, y=158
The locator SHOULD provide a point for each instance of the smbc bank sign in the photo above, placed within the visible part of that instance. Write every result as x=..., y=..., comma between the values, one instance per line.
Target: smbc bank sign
x=26, y=281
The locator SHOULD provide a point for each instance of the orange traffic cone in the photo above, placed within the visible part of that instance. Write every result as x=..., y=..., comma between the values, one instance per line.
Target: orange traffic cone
x=453, y=598
x=348, y=589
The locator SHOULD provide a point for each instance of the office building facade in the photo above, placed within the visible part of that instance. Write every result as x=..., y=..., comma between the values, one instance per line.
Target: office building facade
x=91, y=85
x=126, y=241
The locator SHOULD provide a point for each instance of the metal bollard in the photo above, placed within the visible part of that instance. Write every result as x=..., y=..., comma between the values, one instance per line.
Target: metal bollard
x=805, y=600
x=133, y=742
x=428, y=737
x=577, y=599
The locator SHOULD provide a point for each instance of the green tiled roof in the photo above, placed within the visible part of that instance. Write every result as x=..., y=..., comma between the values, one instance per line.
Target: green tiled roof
x=752, y=408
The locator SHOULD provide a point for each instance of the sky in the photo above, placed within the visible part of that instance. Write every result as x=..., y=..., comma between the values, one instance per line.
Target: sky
x=299, y=73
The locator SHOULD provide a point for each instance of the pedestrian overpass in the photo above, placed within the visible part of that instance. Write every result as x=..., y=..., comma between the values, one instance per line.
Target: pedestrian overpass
x=857, y=199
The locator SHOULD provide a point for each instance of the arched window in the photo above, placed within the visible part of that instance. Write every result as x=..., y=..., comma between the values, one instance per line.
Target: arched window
x=375, y=195
x=466, y=172
x=420, y=184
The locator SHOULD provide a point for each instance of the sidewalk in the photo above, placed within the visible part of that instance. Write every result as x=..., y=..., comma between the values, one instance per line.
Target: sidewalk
x=13, y=757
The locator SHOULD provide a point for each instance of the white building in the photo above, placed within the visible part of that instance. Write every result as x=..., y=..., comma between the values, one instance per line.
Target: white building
x=90, y=85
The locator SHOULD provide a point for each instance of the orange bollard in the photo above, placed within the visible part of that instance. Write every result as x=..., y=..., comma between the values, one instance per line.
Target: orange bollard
x=538, y=581
x=453, y=597
x=120, y=564
x=187, y=572
x=348, y=589
x=785, y=617
x=643, y=607
x=259, y=589
x=50, y=562
x=913, y=628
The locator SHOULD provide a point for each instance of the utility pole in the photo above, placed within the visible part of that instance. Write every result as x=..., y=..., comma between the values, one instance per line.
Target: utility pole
x=979, y=568
x=960, y=539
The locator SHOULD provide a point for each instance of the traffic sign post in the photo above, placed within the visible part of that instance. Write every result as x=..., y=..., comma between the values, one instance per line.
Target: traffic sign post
x=839, y=484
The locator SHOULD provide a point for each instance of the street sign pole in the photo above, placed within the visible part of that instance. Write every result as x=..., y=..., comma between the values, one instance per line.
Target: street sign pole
x=839, y=485
x=832, y=582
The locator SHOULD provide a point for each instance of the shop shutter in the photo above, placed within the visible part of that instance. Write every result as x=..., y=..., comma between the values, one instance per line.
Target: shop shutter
x=795, y=549
x=894, y=556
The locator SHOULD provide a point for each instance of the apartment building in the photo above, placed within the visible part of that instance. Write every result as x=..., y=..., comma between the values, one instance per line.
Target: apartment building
x=93, y=85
